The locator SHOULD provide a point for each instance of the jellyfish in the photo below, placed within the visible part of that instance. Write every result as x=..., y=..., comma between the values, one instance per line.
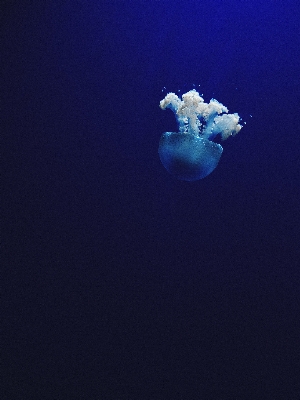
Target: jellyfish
x=191, y=153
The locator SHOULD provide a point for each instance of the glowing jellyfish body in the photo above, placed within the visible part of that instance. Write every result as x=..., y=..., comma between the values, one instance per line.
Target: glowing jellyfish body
x=191, y=154
x=188, y=157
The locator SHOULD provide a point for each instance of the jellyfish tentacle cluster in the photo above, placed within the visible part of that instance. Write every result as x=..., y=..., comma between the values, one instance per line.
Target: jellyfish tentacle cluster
x=191, y=154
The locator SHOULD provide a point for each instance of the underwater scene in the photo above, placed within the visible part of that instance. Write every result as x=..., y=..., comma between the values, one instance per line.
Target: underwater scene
x=151, y=199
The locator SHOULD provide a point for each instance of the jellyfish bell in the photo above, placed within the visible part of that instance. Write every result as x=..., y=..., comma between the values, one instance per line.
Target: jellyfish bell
x=191, y=154
x=188, y=157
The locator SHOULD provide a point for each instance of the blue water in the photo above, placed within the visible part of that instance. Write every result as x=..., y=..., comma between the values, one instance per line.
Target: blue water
x=121, y=281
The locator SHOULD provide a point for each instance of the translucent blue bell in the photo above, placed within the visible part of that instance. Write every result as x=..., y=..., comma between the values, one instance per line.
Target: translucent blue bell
x=188, y=157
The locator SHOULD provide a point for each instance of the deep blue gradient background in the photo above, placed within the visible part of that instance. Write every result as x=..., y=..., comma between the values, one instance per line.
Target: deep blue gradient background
x=121, y=282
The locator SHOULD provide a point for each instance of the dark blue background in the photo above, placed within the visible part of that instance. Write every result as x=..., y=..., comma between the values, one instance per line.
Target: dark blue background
x=120, y=281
